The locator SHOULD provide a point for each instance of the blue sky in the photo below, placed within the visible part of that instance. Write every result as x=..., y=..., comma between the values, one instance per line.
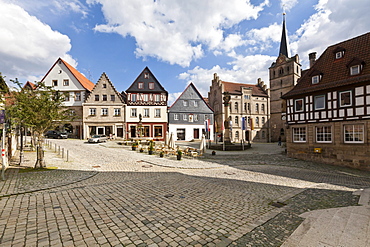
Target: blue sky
x=180, y=41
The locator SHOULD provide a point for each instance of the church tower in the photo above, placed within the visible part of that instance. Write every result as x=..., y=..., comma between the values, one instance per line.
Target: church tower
x=284, y=74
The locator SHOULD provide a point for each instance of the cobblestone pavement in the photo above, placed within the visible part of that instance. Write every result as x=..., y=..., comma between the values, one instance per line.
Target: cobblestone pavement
x=107, y=195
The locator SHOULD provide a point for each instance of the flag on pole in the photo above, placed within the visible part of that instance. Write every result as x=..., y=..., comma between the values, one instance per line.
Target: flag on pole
x=206, y=124
x=243, y=123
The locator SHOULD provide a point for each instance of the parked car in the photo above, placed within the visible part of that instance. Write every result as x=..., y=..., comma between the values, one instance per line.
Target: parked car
x=98, y=138
x=56, y=134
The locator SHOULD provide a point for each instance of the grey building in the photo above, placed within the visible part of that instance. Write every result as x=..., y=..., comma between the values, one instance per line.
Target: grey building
x=190, y=116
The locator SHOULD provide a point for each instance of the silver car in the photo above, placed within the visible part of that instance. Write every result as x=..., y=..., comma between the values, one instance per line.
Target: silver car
x=98, y=138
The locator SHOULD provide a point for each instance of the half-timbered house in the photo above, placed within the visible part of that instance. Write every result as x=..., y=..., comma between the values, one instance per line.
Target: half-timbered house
x=146, y=111
x=328, y=111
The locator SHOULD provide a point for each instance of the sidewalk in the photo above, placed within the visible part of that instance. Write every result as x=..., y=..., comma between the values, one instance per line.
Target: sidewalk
x=342, y=227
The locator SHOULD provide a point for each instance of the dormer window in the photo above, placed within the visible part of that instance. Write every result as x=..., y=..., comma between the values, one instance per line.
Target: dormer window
x=316, y=76
x=355, y=66
x=355, y=70
x=339, y=52
x=315, y=79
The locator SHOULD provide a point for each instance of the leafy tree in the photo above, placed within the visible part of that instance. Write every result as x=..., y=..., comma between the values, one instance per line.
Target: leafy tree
x=40, y=109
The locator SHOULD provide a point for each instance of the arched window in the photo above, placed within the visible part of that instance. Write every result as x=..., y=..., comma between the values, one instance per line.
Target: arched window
x=263, y=107
x=257, y=107
x=245, y=106
x=237, y=136
x=236, y=121
x=257, y=121
x=263, y=134
x=263, y=120
x=236, y=106
x=249, y=107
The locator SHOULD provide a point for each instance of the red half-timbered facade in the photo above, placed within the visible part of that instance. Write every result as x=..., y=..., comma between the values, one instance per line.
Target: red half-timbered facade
x=146, y=111
x=328, y=111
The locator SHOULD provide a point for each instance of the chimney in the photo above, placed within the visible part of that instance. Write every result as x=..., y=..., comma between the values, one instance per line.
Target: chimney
x=312, y=57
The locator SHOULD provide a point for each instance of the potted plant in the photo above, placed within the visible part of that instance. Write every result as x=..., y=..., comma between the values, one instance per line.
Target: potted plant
x=179, y=154
x=141, y=150
x=134, y=146
x=161, y=154
x=151, y=147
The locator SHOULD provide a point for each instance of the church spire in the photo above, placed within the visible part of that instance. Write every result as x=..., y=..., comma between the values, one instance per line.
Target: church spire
x=284, y=42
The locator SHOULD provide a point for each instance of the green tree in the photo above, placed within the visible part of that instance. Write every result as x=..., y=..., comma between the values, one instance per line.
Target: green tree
x=40, y=109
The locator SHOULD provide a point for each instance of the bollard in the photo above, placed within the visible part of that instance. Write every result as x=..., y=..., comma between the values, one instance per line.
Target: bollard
x=62, y=153
x=67, y=155
x=58, y=150
x=55, y=147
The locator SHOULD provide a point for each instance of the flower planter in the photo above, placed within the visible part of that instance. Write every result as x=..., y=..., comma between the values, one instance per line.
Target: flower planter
x=179, y=157
x=141, y=150
x=150, y=152
x=161, y=155
x=133, y=148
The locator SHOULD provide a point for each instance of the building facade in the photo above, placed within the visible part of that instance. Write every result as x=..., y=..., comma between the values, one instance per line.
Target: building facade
x=248, y=102
x=104, y=111
x=283, y=74
x=190, y=116
x=328, y=111
x=146, y=110
x=75, y=87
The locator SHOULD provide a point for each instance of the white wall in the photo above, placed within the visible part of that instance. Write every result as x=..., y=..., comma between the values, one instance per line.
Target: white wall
x=189, y=130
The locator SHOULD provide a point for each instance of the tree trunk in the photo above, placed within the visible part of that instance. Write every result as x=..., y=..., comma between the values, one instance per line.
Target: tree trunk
x=40, y=162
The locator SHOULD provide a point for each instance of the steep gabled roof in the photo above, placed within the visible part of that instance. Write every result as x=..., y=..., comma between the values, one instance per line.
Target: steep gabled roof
x=236, y=88
x=86, y=83
x=104, y=78
x=30, y=85
x=146, y=76
x=192, y=87
x=335, y=71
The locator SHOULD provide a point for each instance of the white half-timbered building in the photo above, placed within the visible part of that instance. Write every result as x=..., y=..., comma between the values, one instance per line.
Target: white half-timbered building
x=328, y=111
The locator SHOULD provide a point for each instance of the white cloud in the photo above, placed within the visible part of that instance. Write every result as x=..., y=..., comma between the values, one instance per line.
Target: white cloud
x=288, y=4
x=262, y=39
x=28, y=47
x=245, y=69
x=335, y=21
x=172, y=97
x=176, y=31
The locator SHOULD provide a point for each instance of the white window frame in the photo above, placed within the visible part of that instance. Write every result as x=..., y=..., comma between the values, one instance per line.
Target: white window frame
x=133, y=112
x=146, y=97
x=66, y=82
x=315, y=79
x=151, y=85
x=104, y=111
x=185, y=117
x=299, y=134
x=324, y=134
x=146, y=112
x=316, y=101
x=195, y=103
x=338, y=54
x=351, y=133
x=196, y=117
x=295, y=105
x=350, y=98
x=355, y=69
x=92, y=111
x=133, y=97
x=77, y=96
x=175, y=116
x=140, y=85
x=157, y=113
x=117, y=111
x=157, y=98
x=185, y=103
x=146, y=75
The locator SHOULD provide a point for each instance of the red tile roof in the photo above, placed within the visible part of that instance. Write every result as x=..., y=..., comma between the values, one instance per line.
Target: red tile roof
x=86, y=83
x=335, y=72
x=236, y=88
